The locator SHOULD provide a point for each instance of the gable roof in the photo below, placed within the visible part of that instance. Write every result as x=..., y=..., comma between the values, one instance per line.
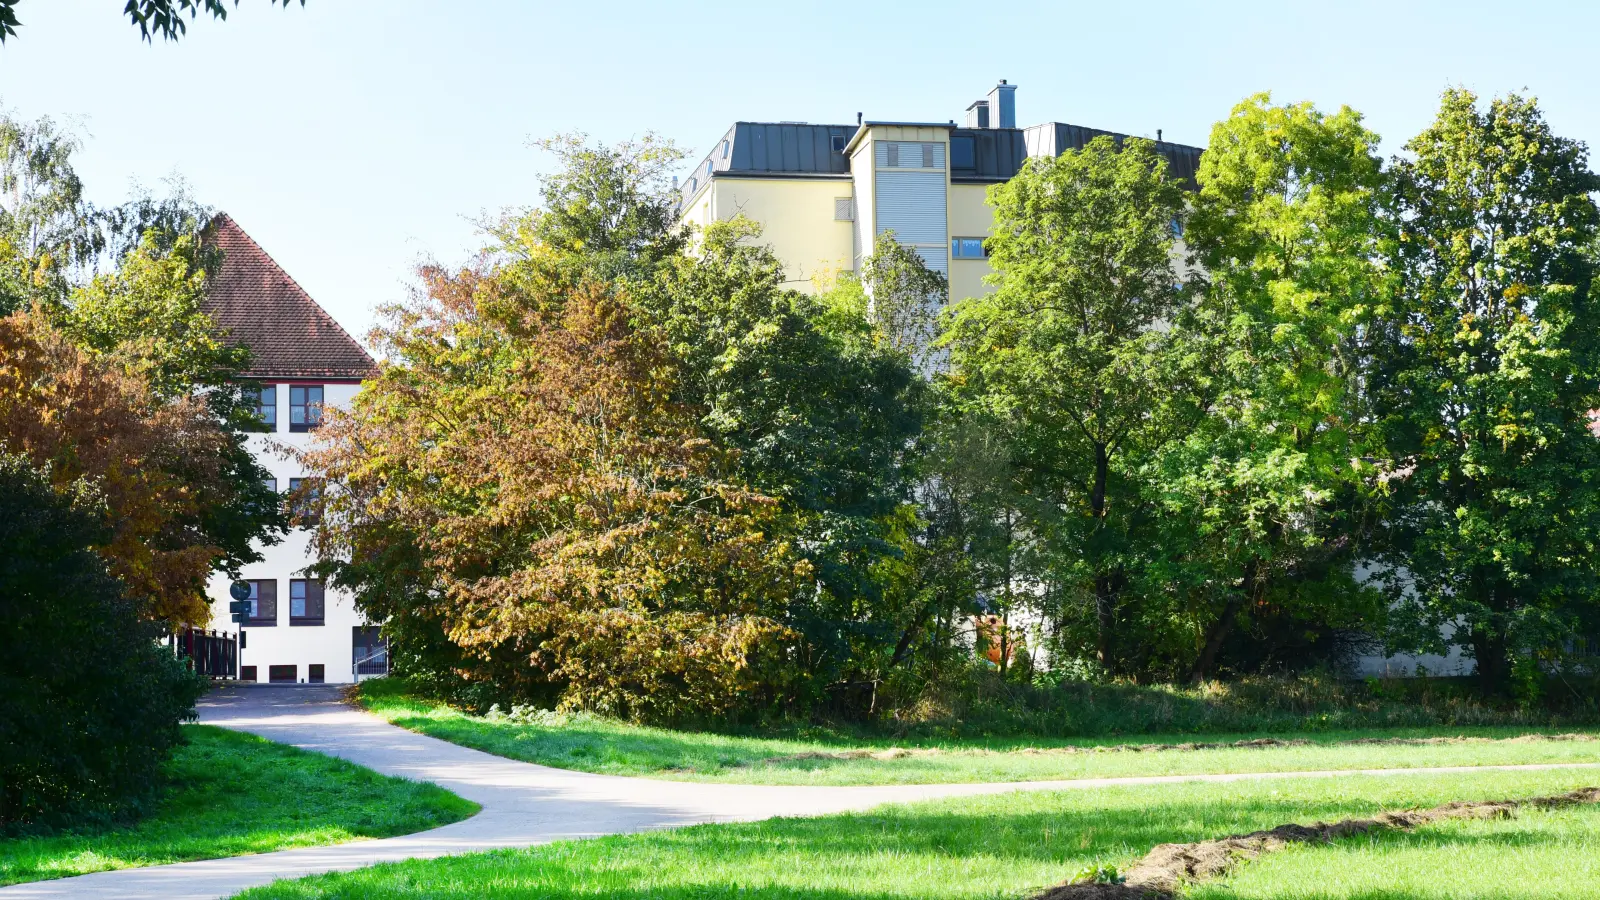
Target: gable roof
x=256, y=302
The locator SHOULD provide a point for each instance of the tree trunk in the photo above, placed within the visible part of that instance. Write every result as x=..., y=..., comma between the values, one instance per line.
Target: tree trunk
x=1221, y=628
x=1005, y=609
x=1105, y=595
x=1493, y=662
x=903, y=648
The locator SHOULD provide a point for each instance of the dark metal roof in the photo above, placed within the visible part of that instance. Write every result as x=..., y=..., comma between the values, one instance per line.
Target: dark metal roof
x=773, y=148
x=800, y=150
x=1055, y=138
x=997, y=154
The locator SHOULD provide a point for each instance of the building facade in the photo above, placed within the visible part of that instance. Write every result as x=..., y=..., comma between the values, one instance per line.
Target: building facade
x=823, y=193
x=300, y=630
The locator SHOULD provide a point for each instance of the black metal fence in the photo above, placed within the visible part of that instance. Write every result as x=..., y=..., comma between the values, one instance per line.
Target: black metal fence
x=214, y=654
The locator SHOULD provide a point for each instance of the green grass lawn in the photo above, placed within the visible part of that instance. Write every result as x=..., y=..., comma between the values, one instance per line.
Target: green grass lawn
x=989, y=848
x=597, y=745
x=1550, y=855
x=232, y=794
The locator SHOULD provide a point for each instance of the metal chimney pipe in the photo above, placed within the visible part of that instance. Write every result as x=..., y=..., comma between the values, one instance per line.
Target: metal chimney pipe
x=1003, y=105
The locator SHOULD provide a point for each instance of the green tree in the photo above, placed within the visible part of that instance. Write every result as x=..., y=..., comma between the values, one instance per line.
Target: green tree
x=577, y=536
x=904, y=296
x=149, y=318
x=1263, y=497
x=606, y=214
x=84, y=742
x=1487, y=381
x=47, y=229
x=153, y=17
x=822, y=408
x=1074, y=347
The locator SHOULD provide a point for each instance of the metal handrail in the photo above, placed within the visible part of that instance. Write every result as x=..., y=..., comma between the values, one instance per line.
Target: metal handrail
x=355, y=667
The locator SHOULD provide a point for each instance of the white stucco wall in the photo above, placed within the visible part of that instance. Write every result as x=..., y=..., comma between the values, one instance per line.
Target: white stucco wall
x=1403, y=665
x=329, y=644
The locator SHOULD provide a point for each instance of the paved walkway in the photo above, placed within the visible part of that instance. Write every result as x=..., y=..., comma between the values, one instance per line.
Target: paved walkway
x=523, y=804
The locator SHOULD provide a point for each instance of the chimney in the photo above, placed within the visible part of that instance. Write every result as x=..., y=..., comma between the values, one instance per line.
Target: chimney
x=978, y=114
x=1003, y=105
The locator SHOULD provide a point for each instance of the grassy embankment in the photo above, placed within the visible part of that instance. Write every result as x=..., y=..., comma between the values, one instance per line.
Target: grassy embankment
x=1014, y=846
x=231, y=794
x=597, y=745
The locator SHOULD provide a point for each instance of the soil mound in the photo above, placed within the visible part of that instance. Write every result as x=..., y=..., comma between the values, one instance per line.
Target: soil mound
x=1164, y=869
x=893, y=753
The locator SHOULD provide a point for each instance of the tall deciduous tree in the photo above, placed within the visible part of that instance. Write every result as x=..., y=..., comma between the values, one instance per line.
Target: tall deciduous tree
x=904, y=296
x=1074, y=345
x=822, y=408
x=1488, y=382
x=571, y=519
x=160, y=463
x=1264, y=494
x=148, y=317
x=47, y=228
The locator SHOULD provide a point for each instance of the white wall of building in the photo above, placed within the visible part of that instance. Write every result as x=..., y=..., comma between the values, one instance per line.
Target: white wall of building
x=301, y=646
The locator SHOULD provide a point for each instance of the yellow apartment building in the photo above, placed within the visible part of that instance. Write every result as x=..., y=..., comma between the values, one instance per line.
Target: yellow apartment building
x=823, y=193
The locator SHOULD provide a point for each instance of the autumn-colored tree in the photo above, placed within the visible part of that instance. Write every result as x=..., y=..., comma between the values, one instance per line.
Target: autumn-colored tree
x=573, y=531
x=158, y=462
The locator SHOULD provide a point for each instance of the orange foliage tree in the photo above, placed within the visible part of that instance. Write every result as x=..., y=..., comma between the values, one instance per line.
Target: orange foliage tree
x=559, y=518
x=158, y=462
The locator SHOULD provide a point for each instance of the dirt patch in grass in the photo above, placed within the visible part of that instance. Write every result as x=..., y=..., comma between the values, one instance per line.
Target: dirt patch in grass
x=894, y=753
x=1166, y=868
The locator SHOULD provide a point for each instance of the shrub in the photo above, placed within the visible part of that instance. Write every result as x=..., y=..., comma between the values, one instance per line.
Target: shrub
x=975, y=702
x=90, y=704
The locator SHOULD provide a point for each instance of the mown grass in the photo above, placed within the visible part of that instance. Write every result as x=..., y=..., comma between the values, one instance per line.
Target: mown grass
x=231, y=794
x=597, y=745
x=1550, y=855
x=991, y=847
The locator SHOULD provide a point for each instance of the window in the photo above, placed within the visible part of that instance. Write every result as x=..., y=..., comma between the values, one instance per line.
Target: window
x=838, y=143
x=271, y=483
x=282, y=674
x=314, y=673
x=963, y=154
x=1177, y=227
x=305, y=601
x=266, y=405
x=247, y=673
x=909, y=155
x=305, y=407
x=263, y=603
x=724, y=149
x=693, y=185
x=967, y=248
x=305, y=500
x=708, y=167
x=369, y=651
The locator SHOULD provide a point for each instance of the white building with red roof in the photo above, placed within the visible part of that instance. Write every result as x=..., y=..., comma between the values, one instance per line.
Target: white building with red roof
x=300, y=630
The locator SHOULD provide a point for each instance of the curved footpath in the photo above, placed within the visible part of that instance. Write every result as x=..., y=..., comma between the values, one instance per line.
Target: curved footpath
x=523, y=804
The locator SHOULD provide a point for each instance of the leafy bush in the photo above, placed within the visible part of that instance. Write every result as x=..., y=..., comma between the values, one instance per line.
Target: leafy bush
x=90, y=704
x=977, y=703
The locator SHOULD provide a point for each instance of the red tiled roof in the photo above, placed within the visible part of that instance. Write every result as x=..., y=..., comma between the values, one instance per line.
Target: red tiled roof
x=256, y=302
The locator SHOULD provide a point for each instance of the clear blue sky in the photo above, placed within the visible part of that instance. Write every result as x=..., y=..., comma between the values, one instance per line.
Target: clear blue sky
x=354, y=137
